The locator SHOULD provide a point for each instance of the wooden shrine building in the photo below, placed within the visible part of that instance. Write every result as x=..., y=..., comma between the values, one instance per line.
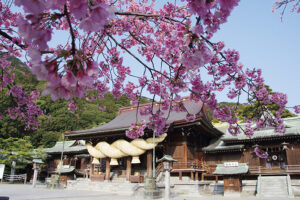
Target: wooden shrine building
x=75, y=159
x=116, y=156
x=283, y=150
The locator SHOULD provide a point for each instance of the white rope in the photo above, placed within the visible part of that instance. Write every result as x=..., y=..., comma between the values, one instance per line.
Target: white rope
x=122, y=148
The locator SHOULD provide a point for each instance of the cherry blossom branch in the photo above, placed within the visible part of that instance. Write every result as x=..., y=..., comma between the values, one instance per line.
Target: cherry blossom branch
x=147, y=16
x=11, y=39
x=130, y=53
x=71, y=30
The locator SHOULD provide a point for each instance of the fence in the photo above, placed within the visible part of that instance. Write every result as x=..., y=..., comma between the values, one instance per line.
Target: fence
x=20, y=177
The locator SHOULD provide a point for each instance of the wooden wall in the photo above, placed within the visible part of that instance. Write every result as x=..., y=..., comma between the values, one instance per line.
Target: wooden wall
x=180, y=148
x=293, y=156
x=218, y=158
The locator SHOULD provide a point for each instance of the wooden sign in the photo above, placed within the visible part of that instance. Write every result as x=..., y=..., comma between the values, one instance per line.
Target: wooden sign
x=231, y=164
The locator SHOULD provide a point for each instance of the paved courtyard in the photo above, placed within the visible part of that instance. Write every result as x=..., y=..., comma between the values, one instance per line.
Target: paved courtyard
x=26, y=192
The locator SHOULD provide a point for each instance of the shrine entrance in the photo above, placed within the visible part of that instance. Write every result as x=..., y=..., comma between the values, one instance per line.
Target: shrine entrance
x=276, y=158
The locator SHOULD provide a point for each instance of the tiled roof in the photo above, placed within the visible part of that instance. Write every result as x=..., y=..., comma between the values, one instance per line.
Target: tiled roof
x=69, y=146
x=219, y=146
x=129, y=115
x=242, y=168
x=65, y=170
x=292, y=128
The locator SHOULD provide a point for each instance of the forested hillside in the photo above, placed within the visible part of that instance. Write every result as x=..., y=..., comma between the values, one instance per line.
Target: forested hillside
x=57, y=118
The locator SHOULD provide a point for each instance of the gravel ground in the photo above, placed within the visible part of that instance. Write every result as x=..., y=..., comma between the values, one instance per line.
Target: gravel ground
x=26, y=192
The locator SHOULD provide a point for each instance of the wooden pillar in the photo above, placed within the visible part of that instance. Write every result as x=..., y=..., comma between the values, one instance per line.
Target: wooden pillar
x=202, y=177
x=128, y=168
x=192, y=175
x=149, y=164
x=180, y=175
x=82, y=161
x=91, y=166
x=107, y=170
x=217, y=179
x=197, y=176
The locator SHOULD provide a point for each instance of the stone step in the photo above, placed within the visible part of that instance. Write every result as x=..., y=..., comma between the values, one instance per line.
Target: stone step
x=273, y=186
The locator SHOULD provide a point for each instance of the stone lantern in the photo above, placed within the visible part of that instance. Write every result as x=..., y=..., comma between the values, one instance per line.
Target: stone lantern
x=36, y=166
x=167, y=161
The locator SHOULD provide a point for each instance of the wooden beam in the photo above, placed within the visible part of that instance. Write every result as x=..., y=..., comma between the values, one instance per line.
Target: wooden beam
x=128, y=168
x=149, y=164
x=180, y=175
x=197, y=176
x=107, y=170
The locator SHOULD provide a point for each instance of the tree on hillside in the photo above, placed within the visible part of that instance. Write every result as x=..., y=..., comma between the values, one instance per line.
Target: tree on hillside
x=18, y=150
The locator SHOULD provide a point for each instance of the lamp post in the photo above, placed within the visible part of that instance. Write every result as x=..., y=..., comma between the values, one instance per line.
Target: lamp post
x=13, y=167
x=167, y=161
x=61, y=159
x=36, y=166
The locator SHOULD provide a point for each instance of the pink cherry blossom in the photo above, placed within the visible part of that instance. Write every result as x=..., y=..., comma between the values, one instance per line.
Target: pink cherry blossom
x=260, y=153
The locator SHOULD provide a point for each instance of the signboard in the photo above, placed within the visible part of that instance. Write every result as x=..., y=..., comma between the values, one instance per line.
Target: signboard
x=2, y=166
x=231, y=164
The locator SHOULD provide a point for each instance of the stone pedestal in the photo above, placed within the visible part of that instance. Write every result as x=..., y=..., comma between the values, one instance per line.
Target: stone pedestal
x=150, y=190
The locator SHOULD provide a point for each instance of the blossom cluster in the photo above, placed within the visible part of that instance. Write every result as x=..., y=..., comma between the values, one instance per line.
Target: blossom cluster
x=260, y=153
x=136, y=130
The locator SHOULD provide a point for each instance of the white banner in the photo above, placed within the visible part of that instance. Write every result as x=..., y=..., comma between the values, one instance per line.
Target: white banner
x=2, y=166
x=231, y=164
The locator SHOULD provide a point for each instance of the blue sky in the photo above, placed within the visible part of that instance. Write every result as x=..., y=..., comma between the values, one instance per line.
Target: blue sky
x=267, y=43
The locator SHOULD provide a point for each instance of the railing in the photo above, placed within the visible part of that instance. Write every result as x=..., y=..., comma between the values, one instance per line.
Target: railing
x=274, y=170
x=20, y=177
x=187, y=166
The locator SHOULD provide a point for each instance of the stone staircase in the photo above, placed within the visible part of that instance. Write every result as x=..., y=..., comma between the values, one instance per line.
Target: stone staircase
x=274, y=186
x=116, y=186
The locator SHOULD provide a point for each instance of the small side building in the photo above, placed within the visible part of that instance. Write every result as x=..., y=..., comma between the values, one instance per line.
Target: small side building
x=75, y=159
x=283, y=149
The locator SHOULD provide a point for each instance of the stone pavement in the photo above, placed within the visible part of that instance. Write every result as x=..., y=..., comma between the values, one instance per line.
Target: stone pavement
x=26, y=192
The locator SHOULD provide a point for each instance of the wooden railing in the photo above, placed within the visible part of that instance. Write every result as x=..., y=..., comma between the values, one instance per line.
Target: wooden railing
x=274, y=170
x=187, y=165
x=287, y=169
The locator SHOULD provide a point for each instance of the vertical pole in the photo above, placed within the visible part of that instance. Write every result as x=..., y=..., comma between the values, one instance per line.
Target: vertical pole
x=107, y=171
x=35, y=172
x=12, y=172
x=180, y=175
x=153, y=157
x=61, y=157
x=167, y=185
x=149, y=163
x=128, y=168
x=25, y=178
x=91, y=172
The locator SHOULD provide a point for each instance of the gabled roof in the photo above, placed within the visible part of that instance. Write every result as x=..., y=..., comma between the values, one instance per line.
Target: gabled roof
x=69, y=146
x=224, y=143
x=129, y=115
x=220, y=146
x=292, y=129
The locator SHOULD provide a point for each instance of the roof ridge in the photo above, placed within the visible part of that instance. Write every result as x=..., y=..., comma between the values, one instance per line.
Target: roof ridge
x=128, y=108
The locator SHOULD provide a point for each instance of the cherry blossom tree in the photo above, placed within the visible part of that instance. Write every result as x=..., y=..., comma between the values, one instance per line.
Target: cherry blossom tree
x=170, y=45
